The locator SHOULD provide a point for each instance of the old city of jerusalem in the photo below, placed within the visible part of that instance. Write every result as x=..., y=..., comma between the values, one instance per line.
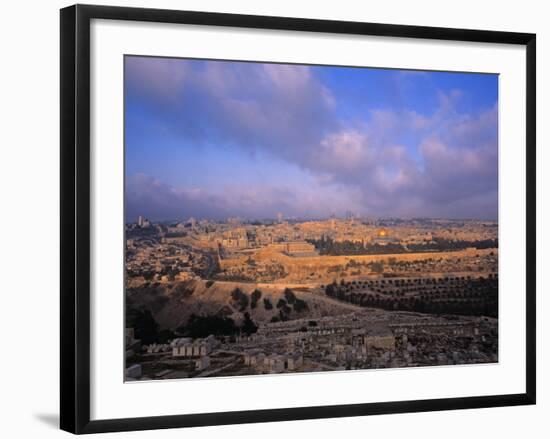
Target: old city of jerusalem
x=211, y=298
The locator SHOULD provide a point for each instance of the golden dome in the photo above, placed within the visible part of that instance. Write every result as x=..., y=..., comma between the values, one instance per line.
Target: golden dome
x=382, y=233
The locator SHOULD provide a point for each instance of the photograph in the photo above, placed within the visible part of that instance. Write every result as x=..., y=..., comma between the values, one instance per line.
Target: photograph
x=268, y=219
x=289, y=218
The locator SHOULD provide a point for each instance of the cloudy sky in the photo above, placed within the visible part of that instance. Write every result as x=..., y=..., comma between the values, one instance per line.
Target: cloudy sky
x=216, y=139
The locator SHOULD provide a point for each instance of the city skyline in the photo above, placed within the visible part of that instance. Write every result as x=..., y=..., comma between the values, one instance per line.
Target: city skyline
x=348, y=216
x=218, y=139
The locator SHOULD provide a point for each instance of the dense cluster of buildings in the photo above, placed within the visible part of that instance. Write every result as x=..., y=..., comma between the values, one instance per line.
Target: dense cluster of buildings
x=240, y=235
x=416, y=308
x=360, y=340
x=237, y=250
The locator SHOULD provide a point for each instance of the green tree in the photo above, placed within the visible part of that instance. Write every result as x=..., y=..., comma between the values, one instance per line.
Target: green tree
x=289, y=295
x=145, y=326
x=248, y=327
x=267, y=304
x=203, y=326
x=300, y=305
x=240, y=298
x=254, y=297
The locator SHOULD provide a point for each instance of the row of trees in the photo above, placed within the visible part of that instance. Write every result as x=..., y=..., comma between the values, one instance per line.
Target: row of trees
x=418, y=282
x=147, y=329
x=286, y=304
x=480, y=297
x=327, y=246
x=203, y=326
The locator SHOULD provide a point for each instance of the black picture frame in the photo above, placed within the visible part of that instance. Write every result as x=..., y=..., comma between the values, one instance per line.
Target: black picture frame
x=75, y=217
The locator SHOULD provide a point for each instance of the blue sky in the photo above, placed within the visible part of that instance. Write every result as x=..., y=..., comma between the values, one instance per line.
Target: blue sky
x=214, y=139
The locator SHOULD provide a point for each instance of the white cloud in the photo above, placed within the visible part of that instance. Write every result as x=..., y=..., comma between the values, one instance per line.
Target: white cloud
x=397, y=162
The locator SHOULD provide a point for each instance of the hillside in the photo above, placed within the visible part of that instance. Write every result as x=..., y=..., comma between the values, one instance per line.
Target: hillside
x=171, y=304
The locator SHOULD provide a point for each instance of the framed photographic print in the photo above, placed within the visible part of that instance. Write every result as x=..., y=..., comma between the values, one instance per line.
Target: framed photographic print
x=268, y=218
